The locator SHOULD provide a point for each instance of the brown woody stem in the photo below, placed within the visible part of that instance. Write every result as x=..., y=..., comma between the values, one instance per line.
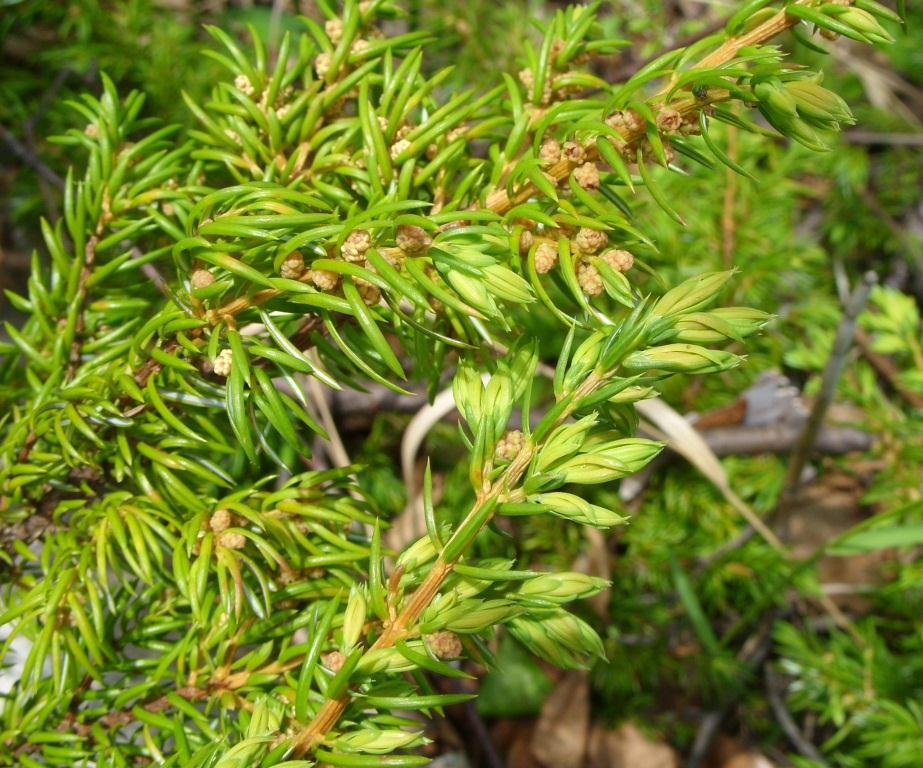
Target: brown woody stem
x=330, y=712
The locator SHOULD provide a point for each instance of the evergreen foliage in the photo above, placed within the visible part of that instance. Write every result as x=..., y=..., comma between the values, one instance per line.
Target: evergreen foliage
x=195, y=597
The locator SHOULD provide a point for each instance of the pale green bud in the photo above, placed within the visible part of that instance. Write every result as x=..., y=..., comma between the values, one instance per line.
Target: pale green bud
x=816, y=103
x=744, y=320
x=574, y=633
x=354, y=618
x=443, y=609
x=472, y=291
x=633, y=395
x=468, y=389
x=615, y=283
x=777, y=105
x=462, y=258
x=754, y=20
x=775, y=100
x=719, y=325
x=531, y=634
x=499, y=400
x=681, y=358
x=610, y=461
x=446, y=601
x=692, y=295
x=522, y=362
x=797, y=108
x=481, y=614
x=376, y=742
x=590, y=469
x=635, y=452
x=561, y=587
x=247, y=752
x=564, y=442
x=507, y=284
x=263, y=718
x=559, y=637
x=572, y=507
x=387, y=660
x=864, y=23
x=804, y=134
x=584, y=359
x=470, y=586
x=418, y=553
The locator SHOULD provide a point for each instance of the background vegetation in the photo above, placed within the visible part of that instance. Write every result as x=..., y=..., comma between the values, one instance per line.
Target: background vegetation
x=722, y=653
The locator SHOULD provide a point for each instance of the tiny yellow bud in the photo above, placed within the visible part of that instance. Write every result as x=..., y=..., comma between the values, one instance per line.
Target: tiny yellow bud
x=368, y=292
x=669, y=120
x=222, y=364
x=526, y=238
x=398, y=147
x=590, y=280
x=220, y=520
x=587, y=176
x=546, y=256
x=510, y=445
x=590, y=240
x=333, y=661
x=550, y=152
x=201, y=278
x=242, y=83
x=293, y=266
x=574, y=152
x=626, y=121
x=444, y=644
x=618, y=259
x=411, y=238
x=322, y=64
x=334, y=29
x=355, y=245
x=232, y=540
x=324, y=279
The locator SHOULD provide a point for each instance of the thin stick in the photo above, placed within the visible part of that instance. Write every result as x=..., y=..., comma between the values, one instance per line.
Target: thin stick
x=480, y=747
x=30, y=158
x=752, y=654
x=890, y=139
x=334, y=446
x=786, y=721
x=832, y=371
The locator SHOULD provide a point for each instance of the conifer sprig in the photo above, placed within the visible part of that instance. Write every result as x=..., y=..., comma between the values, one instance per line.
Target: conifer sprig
x=192, y=595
